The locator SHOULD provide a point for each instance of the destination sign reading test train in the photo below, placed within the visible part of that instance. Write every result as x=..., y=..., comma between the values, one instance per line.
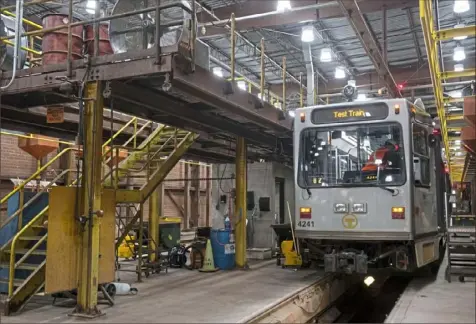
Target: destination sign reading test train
x=369, y=111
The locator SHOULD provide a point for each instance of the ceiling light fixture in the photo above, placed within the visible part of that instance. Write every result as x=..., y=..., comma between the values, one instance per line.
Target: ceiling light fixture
x=307, y=34
x=459, y=67
x=283, y=5
x=361, y=97
x=91, y=6
x=461, y=6
x=326, y=55
x=459, y=54
x=340, y=73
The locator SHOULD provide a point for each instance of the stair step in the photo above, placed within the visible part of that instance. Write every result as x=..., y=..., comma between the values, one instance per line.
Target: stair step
x=24, y=251
x=23, y=266
x=16, y=282
x=461, y=229
x=30, y=238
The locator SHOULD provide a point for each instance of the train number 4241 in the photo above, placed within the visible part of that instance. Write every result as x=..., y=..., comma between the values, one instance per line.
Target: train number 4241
x=305, y=224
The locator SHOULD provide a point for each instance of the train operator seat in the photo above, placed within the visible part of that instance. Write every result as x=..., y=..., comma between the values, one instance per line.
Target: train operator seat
x=387, y=156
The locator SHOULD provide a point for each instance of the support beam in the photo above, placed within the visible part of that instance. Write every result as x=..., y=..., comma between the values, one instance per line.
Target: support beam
x=186, y=198
x=240, y=203
x=458, y=74
x=91, y=197
x=208, y=196
x=154, y=224
x=195, y=195
x=445, y=34
x=354, y=15
x=414, y=35
x=261, y=14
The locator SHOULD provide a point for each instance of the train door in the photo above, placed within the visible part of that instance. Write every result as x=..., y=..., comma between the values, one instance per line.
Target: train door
x=425, y=210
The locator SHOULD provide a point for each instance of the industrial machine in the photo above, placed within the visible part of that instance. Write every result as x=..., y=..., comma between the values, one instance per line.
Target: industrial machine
x=370, y=184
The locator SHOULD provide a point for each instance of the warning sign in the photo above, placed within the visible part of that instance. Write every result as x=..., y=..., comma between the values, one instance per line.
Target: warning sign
x=229, y=248
x=55, y=115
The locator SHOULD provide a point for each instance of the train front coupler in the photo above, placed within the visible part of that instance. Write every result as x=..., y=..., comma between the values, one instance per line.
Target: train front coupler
x=346, y=262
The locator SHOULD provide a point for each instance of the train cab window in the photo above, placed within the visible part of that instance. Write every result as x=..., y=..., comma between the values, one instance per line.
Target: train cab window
x=354, y=155
x=421, y=157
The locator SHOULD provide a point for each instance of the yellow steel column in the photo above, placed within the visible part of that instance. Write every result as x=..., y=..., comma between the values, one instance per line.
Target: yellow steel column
x=153, y=224
x=91, y=194
x=240, y=203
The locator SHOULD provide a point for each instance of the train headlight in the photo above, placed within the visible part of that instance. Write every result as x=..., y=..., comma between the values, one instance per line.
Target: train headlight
x=359, y=208
x=340, y=208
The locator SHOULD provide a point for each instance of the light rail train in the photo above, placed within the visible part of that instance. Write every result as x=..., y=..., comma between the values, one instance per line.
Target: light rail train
x=370, y=187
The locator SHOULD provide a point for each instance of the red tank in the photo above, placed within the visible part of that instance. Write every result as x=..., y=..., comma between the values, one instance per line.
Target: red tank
x=104, y=44
x=54, y=45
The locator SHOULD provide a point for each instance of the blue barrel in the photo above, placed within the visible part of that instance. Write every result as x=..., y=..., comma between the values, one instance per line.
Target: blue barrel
x=223, y=249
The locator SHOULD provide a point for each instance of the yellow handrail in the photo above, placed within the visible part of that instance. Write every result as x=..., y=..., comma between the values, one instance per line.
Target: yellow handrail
x=44, y=167
x=26, y=21
x=119, y=132
x=30, y=50
x=36, y=174
x=11, y=274
x=31, y=200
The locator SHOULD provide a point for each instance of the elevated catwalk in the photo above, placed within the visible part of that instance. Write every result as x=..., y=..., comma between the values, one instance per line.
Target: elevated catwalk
x=166, y=93
x=184, y=296
x=434, y=300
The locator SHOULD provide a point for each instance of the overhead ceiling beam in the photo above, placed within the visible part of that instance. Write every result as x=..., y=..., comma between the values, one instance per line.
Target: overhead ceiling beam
x=261, y=14
x=367, y=80
x=356, y=18
x=414, y=35
x=246, y=45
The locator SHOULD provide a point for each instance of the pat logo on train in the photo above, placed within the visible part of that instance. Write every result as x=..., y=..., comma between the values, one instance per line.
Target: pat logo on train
x=349, y=221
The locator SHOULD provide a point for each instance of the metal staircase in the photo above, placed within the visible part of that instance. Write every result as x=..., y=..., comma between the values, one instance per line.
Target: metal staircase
x=23, y=256
x=461, y=245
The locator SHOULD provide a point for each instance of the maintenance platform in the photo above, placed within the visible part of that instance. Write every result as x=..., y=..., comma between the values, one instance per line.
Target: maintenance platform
x=238, y=296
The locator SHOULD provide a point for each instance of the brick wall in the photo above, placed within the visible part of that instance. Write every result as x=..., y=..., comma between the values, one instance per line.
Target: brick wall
x=16, y=163
x=174, y=189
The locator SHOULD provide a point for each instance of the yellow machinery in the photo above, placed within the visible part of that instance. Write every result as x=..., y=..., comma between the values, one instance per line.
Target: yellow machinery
x=291, y=256
x=126, y=249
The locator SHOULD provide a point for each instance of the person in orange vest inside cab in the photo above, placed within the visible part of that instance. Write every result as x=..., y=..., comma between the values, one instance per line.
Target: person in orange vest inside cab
x=385, y=157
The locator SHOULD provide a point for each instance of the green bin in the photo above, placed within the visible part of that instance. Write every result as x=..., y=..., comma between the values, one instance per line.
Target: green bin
x=169, y=232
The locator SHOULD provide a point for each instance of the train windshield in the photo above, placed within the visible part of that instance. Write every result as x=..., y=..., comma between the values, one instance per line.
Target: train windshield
x=356, y=155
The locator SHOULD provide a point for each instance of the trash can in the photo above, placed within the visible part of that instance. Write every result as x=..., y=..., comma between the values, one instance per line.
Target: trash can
x=223, y=248
x=169, y=231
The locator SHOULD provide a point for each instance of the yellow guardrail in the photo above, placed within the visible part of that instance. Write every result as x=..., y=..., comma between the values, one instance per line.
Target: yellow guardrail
x=427, y=22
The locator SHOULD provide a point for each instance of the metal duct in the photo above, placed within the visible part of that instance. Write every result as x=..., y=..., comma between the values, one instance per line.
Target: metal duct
x=7, y=28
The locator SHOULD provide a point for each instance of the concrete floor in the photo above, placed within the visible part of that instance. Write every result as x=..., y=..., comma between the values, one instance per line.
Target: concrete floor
x=190, y=297
x=434, y=300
